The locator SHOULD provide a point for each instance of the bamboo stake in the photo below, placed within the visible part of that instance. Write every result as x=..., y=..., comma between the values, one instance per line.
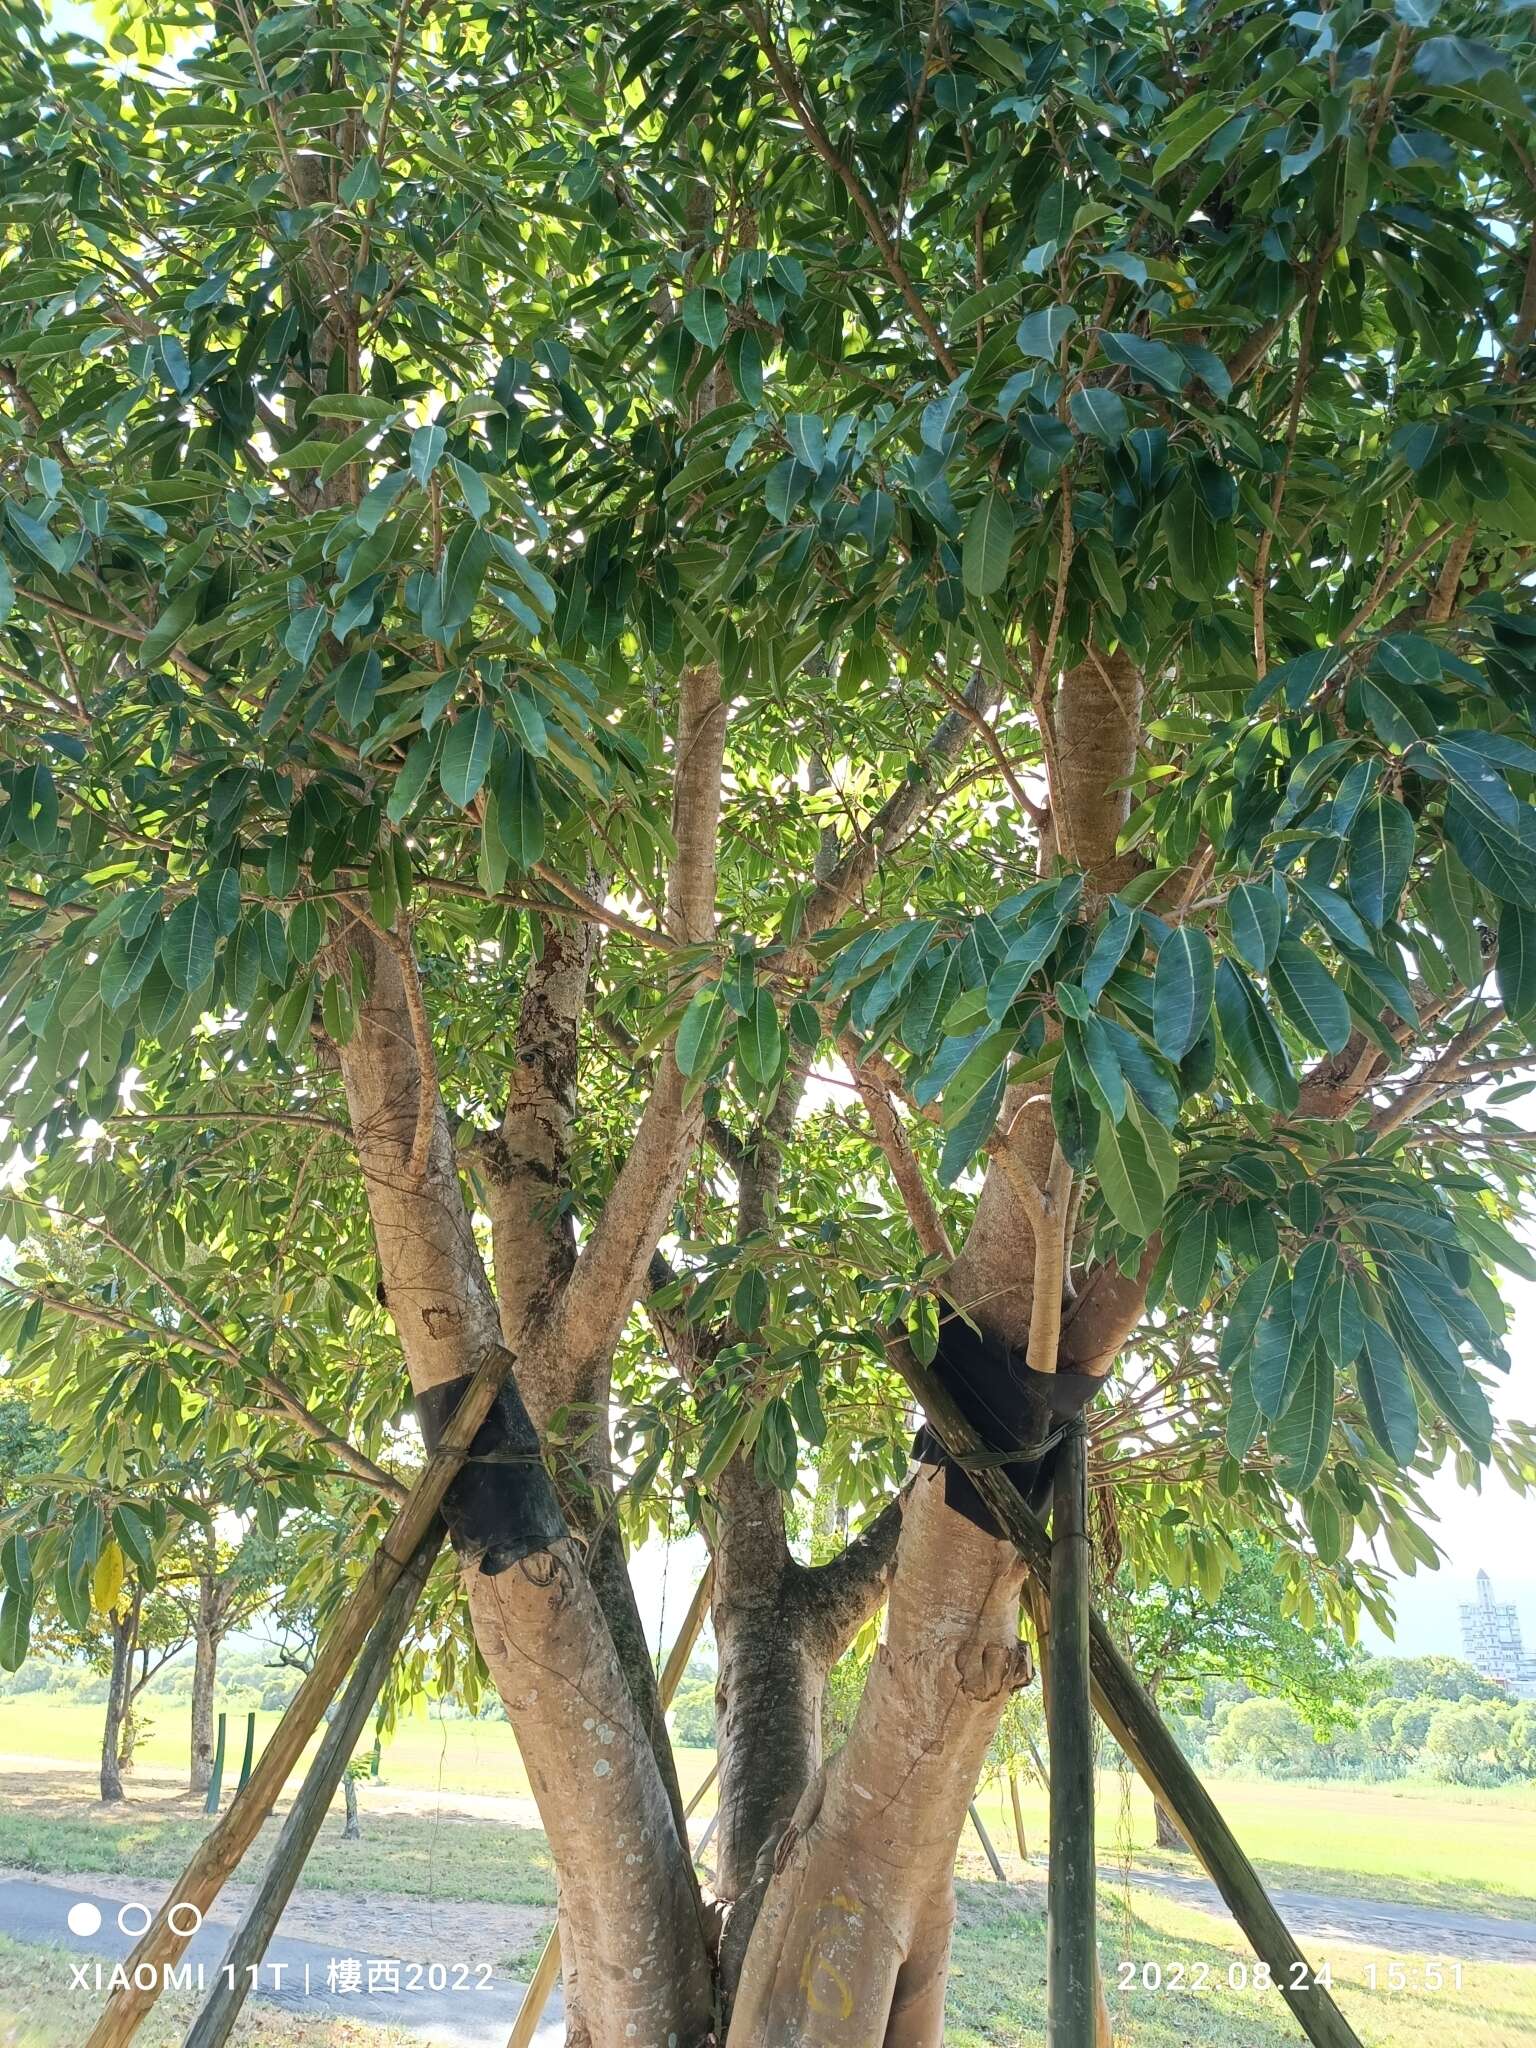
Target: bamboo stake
x=1018, y=1817
x=547, y=1971
x=986, y=1842
x=1142, y=1733
x=242, y=1959
x=220, y=1851
x=1072, y=1937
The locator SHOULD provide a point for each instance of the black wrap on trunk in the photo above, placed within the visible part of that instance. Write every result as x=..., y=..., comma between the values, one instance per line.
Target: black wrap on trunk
x=502, y=1505
x=1010, y=1407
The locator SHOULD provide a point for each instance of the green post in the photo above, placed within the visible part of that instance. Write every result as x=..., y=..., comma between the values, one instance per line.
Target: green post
x=1071, y=1942
x=376, y=1759
x=216, y=1782
x=250, y=1751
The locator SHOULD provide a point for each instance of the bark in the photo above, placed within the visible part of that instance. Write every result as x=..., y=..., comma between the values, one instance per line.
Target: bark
x=124, y=1630
x=852, y=1941
x=352, y=1832
x=1168, y=1836
x=210, y=1623
x=627, y=1888
x=204, y=1671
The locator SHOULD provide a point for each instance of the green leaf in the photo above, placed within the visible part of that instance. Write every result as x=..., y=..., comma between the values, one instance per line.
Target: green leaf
x=1309, y=996
x=188, y=944
x=1182, y=989
x=1243, y=1418
x=1515, y=970
x=358, y=682
x=1256, y=920
x=965, y=1138
x=1299, y=1439
x=1191, y=126
x=517, y=802
x=1380, y=855
x=168, y=628
x=1250, y=1036
x=1279, y=1353
x=1340, y=1323
x=466, y=755
x=427, y=445
x=15, y=1629
x=700, y=1032
x=706, y=315
x=1194, y=1257
x=34, y=814
x=988, y=540
x=1130, y=1180
x=1253, y=1298
x=361, y=183
x=473, y=489
x=1387, y=1392
x=1041, y=334
x=16, y=1565
x=1152, y=361
x=760, y=1039
x=1109, y=950
x=1314, y=1272
x=749, y=1304
x=133, y=1532
x=1101, y=414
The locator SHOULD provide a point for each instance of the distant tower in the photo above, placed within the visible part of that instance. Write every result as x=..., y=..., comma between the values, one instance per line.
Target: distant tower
x=1490, y=1636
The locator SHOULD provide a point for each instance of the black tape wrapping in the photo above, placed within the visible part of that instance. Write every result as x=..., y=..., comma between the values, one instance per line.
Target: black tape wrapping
x=502, y=1505
x=1010, y=1407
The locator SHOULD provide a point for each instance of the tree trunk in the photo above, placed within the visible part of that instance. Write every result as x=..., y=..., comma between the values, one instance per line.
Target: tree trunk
x=1168, y=1836
x=205, y=1663
x=852, y=1942
x=628, y=1892
x=124, y=1629
x=352, y=1832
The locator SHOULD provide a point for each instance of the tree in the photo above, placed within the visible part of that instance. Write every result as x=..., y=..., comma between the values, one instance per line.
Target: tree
x=1178, y=1637
x=701, y=697
x=1463, y=1740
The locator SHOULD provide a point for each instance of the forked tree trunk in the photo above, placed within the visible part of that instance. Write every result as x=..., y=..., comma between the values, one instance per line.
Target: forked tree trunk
x=627, y=1891
x=852, y=1942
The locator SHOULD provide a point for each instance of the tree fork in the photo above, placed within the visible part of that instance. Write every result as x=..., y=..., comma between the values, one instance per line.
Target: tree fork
x=1142, y=1733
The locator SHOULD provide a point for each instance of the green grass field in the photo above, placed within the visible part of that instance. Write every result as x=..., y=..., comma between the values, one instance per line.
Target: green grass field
x=1422, y=1844
x=438, y=1828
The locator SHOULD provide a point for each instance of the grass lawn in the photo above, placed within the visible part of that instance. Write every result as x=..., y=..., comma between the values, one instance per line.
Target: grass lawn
x=414, y=1849
x=1422, y=1844
x=36, y=2012
x=997, y=1987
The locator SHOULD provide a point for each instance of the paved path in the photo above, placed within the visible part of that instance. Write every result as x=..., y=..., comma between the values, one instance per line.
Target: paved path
x=1368, y=1923
x=296, y=1974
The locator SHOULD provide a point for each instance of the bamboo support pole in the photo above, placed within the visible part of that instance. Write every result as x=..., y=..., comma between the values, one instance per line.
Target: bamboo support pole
x=242, y=1959
x=1018, y=1817
x=1142, y=1733
x=986, y=1842
x=220, y=1851
x=547, y=1970
x=1071, y=1906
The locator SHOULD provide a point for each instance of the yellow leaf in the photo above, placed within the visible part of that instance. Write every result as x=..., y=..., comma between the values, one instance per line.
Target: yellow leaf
x=107, y=1580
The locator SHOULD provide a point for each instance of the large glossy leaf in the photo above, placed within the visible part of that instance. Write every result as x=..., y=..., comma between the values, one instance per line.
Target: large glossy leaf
x=1183, y=986
x=1256, y=1047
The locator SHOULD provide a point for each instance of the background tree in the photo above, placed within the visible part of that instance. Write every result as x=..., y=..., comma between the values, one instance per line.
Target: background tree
x=839, y=675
